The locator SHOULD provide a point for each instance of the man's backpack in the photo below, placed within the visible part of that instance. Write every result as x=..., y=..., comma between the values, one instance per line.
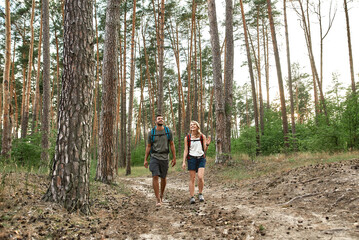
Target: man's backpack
x=153, y=135
x=189, y=140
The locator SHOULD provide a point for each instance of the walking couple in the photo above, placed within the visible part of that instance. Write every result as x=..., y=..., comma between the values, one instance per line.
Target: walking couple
x=160, y=140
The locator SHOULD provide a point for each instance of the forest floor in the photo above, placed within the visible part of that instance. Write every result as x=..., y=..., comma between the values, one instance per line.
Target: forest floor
x=318, y=201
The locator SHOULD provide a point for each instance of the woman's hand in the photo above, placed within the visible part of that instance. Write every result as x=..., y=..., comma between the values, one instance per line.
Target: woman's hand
x=184, y=165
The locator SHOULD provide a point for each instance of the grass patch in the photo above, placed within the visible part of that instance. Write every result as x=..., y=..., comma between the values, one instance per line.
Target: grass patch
x=242, y=167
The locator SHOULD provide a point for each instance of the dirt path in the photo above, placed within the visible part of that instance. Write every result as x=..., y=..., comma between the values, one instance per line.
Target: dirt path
x=314, y=202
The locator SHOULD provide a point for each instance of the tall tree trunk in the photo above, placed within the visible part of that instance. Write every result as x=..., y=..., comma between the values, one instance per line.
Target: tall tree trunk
x=279, y=74
x=6, y=134
x=195, y=72
x=218, y=84
x=201, y=79
x=36, y=105
x=107, y=139
x=189, y=67
x=349, y=46
x=161, y=58
x=94, y=135
x=261, y=106
x=132, y=83
x=149, y=85
x=45, y=120
x=228, y=89
x=70, y=175
x=25, y=116
x=250, y=67
x=14, y=114
x=123, y=97
x=289, y=75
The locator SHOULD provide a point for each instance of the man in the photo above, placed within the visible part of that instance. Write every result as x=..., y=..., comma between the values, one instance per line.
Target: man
x=160, y=139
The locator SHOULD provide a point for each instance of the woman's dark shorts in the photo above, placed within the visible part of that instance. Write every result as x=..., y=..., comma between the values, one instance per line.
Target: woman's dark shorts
x=158, y=167
x=196, y=162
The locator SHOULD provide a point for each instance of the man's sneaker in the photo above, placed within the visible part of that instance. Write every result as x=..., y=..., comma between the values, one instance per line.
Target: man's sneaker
x=200, y=197
x=192, y=200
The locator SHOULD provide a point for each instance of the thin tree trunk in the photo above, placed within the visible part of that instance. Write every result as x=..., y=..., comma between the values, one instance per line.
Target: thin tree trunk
x=95, y=136
x=228, y=89
x=132, y=83
x=13, y=95
x=279, y=75
x=107, y=140
x=45, y=120
x=25, y=117
x=201, y=78
x=149, y=86
x=123, y=98
x=289, y=76
x=161, y=58
x=69, y=184
x=6, y=133
x=261, y=106
x=250, y=67
x=218, y=84
x=37, y=90
x=349, y=46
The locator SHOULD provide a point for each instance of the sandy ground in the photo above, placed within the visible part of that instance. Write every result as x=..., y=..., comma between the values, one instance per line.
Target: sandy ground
x=314, y=202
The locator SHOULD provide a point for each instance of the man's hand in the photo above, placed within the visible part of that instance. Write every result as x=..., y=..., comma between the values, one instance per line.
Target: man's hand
x=145, y=164
x=173, y=162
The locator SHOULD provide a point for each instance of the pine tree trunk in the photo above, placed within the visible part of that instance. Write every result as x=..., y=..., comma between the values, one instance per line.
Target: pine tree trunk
x=107, y=139
x=6, y=133
x=45, y=120
x=94, y=136
x=25, y=115
x=228, y=90
x=123, y=98
x=349, y=46
x=250, y=67
x=37, y=90
x=161, y=58
x=201, y=79
x=70, y=174
x=279, y=75
x=218, y=84
x=132, y=83
x=261, y=106
x=14, y=114
x=289, y=75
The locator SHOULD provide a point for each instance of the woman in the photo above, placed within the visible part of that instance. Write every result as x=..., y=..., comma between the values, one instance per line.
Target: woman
x=195, y=146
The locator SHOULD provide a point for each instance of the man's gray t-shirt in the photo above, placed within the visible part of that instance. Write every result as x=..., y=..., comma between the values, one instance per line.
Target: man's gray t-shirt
x=160, y=145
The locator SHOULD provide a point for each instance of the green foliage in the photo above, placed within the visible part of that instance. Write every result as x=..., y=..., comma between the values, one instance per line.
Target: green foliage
x=138, y=154
x=27, y=151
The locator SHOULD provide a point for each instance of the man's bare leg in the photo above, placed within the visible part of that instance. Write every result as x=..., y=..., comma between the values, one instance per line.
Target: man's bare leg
x=156, y=189
x=163, y=186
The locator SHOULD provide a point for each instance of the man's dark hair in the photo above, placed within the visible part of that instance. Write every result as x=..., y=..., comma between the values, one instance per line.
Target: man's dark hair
x=158, y=115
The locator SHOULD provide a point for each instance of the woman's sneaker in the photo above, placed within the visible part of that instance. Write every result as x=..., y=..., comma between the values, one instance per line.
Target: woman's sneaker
x=192, y=200
x=200, y=197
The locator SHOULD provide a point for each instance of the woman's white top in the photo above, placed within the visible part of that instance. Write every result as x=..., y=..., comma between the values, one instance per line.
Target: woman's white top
x=195, y=149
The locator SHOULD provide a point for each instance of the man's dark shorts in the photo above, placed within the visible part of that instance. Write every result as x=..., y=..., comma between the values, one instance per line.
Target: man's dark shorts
x=196, y=162
x=158, y=167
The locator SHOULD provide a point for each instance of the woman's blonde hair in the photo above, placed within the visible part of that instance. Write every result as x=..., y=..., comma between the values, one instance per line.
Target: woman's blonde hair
x=199, y=129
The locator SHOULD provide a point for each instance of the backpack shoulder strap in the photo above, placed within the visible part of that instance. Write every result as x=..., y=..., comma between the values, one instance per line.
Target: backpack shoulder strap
x=153, y=132
x=168, y=133
x=201, y=138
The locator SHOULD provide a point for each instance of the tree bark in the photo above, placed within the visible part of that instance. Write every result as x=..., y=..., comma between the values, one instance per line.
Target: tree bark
x=123, y=98
x=6, y=133
x=161, y=58
x=228, y=89
x=218, y=84
x=107, y=139
x=349, y=46
x=289, y=75
x=250, y=67
x=25, y=115
x=279, y=75
x=45, y=120
x=70, y=174
x=132, y=83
